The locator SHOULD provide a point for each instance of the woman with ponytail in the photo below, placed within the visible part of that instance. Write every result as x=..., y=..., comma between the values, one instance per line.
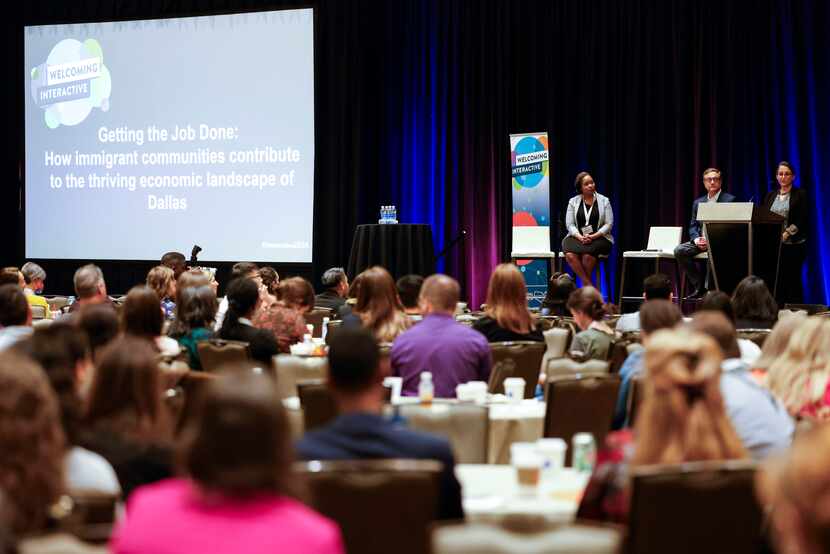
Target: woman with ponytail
x=243, y=302
x=682, y=419
x=588, y=310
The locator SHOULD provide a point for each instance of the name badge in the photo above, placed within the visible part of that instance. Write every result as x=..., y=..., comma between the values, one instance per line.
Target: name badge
x=587, y=230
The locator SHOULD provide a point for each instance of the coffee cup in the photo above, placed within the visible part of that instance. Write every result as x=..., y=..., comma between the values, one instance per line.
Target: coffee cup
x=514, y=389
x=528, y=464
x=552, y=452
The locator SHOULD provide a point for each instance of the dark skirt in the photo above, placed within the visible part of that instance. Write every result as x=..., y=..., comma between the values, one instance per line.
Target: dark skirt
x=597, y=247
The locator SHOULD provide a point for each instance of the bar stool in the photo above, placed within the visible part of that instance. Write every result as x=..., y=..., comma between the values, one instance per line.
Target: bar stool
x=661, y=244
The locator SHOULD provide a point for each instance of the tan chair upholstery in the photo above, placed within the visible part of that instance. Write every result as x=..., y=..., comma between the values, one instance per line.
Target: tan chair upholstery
x=315, y=317
x=758, y=336
x=317, y=401
x=693, y=508
x=334, y=324
x=466, y=426
x=38, y=312
x=559, y=367
x=215, y=353
x=557, y=340
x=527, y=357
x=381, y=506
x=484, y=538
x=293, y=369
x=580, y=403
x=636, y=392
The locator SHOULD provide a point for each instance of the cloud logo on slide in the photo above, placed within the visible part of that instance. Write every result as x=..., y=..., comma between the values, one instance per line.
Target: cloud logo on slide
x=71, y=82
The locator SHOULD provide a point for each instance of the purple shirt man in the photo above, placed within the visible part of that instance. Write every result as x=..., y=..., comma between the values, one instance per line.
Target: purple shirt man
x=452, y=352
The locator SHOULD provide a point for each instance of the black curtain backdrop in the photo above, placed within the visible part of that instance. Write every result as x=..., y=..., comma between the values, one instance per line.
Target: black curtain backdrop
x=415, y=101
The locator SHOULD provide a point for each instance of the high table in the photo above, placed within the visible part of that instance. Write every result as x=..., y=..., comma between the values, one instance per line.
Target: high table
x=400, y=248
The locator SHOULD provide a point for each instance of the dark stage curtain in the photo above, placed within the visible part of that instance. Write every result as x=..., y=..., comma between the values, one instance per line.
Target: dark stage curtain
x=415, y=101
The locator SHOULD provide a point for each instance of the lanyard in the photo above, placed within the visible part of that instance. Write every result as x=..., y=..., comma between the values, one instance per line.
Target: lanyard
x=588, y=212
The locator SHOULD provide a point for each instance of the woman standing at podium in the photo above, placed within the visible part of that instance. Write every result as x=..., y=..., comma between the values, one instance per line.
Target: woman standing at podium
x=790, y=203
x=589, y=220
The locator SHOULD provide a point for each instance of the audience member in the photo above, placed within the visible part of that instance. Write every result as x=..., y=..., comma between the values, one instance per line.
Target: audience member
x=360, y=431
x=795, y=488
x=719, y=301
x=238, y=494
x=285, y=319
x=656, y=286
x=682, y=419
x=62, y=351
x=15, y=316
x=760, y=419
x=653, y=316
x=776, y=344
x=595, y=339
x=176, y=262
x=378, y=307
x=248, y=270
x=163, y=282
x=195, y=313
x=12, y=276
x=560, y=287
x=454, y=353
x=800, y=377
x=34, y=277
x=270, y=279
x=100, y=324
x=409, y=289
x=243, y=301
x=351, y=298
x=125, y=419
x=507, y=317
x=195, y=277
x=142, y=317
x=90, y=288
x=754, y=305
x=336, y=284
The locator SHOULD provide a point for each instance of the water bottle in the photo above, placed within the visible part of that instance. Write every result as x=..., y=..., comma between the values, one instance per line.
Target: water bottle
x=393, y=214
x=325, y=330
x=425, y=388
x=383, y=215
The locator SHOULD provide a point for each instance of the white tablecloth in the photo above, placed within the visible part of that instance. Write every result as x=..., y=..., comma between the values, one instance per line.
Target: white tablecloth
x=490, y=493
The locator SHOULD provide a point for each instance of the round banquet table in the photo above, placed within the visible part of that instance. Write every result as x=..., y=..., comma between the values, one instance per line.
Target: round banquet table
x=400, y=248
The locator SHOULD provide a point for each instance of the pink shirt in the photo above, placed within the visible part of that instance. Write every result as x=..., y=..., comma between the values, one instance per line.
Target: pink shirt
x=170, y=518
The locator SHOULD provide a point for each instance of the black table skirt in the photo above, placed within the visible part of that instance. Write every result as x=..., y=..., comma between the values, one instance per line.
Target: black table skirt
x=400, y=248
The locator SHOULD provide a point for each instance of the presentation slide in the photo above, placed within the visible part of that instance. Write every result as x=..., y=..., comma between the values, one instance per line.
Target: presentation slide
x=149, y=136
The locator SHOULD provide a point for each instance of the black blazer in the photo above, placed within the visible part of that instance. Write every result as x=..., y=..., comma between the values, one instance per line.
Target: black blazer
x=799, y=211
x=695, y=228
x=262, y=342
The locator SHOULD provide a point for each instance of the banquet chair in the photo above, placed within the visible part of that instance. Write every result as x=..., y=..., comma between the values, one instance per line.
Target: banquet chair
x=503, y=538
x=635, y=398
x=758, y=336
x=215, y=353
x=580, y=403
x=694, y=507
x=88, y=515
x=811, y=309
x=317, y=402
x=617, y=354
x=567, y=367
x=315, y=317
x=466, y=426
x=381, y=506
x=292, y=369
x=527, y=357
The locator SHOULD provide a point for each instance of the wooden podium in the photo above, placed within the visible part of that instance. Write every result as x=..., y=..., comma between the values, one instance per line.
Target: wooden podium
x=744, y=239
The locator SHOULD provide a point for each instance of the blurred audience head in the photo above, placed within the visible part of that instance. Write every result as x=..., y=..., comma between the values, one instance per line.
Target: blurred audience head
x=409, y=289
x=270, y=278
x=89, y=283
x=718, y=301
x=560, y=287
x=246, y=269
x=163, y=281
x=176, y=262
x=335, y=279
x=243, y=300
x=752, y=300
x=378, y=305
x=296, y=293
x=141, y=314
x=779, y=337
x=196, y=307
x=507, y=299
x=34, y=275
x=14, y=308
x=716, y=326
x=439, y=294
x=586, y=306
x=354, y=361
x=12, y=276
x=657, y=286
x=658, y=314
x=100, y=324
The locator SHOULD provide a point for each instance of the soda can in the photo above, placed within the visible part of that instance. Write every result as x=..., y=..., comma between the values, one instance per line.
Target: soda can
x=584, y=450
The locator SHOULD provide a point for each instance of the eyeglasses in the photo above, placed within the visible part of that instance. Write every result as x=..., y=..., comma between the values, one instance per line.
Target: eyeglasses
x=785, y=174
x=711, y=179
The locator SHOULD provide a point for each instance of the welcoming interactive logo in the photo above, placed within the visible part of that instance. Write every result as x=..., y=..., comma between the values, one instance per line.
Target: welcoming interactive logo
x=529, y=161
x=71, y=82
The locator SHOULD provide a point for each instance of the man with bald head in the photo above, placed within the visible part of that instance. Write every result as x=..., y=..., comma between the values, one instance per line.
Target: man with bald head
x=452, y=352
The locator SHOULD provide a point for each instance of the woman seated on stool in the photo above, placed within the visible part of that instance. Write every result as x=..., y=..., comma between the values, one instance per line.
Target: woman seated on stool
x=589, y=220
x=594, y=341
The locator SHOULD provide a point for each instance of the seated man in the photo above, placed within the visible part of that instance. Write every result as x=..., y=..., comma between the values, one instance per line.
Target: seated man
x=685, y=253
x=409, y=289
x=240, y=269
x=337, y=286
x=34, y=276
x=176, y=262
x=655, y=287
x=453, y=352
x=360, y=431
x=15, y=316
x=760, y=419
x=90, y=287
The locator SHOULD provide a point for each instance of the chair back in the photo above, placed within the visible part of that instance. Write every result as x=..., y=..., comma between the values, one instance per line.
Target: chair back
x=466, y=426
x=381, y=506
x=90, y=516
x=617, y=354
x=317, y=401
x=493, y=538
x=333, y=325
x=664, y=239
x=695, y=507
x=214, y=353
x=38, y=312
x=566, y=367
x=192, y=384
x=636, y=393
x=758, y=336
x=811, y=309
x=557, y=340
x=315, y=317
x=293, y=369
x=526, y=355
x=57, y=302
x=580, y=403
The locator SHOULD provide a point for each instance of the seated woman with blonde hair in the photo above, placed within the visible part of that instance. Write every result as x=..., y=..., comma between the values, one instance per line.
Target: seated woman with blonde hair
x=682, y=419
x=507, y=317
x=161, y=279
x=378, y=307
